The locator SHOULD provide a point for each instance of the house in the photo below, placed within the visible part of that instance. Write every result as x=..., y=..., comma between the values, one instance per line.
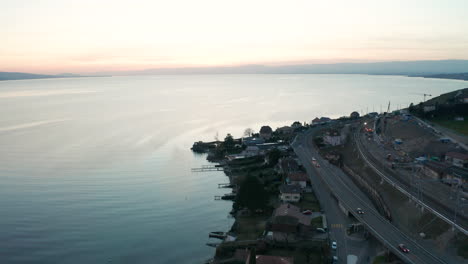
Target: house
x=265, y=132
x=316, y=121
x=264, y=259
x=354, y=115
x=252, y=141
x=285, y=130
x=287, y=223
x=429, y=108
x=251, y=151
x=457, y=159
x=324, y=119
x=332, y=137
x=290, y=193
x=297, y=178
x=288, y=165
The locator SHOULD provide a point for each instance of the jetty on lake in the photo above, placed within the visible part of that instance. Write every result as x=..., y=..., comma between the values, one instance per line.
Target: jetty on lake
x=208, y=168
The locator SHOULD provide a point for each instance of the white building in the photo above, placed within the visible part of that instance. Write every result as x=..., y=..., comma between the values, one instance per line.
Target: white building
x=290, y=193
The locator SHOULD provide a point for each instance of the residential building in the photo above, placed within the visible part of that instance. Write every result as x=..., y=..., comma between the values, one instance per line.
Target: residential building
x=457, y=159
x=285, y=130
x=252, y=141
x=251, y=151
x=290, y=193
x=288, y=165
x=297, y=178
x=332, y=137
x=264, y=259
x=316, y=121
x=287, y=223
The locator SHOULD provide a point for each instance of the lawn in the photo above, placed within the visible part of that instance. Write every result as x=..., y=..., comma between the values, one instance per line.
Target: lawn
x=457, y=126
x=250, y=227
x=316, y=222
x=309, y=202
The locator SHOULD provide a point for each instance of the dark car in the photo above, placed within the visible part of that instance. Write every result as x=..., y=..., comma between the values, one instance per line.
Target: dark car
x=403, y=248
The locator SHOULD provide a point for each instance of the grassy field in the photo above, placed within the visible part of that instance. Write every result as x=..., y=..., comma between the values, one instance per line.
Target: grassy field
x=250, y=227
x=309, y=202
x=457, y=126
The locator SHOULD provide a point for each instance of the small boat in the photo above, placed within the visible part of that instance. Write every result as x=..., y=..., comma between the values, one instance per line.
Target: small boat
x=219, y=235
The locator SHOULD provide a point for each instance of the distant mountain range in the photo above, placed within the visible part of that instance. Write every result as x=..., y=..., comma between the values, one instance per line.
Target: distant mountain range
x=23, y=76
x=456, y=76
x=451, y=69
x=411, y=68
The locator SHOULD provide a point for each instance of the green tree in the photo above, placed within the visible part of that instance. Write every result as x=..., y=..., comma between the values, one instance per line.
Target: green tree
x=229, y=142
x=273, y=156
x=251, y=195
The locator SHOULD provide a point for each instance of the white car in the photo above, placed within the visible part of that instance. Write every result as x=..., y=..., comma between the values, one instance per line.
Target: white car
x=334, y=246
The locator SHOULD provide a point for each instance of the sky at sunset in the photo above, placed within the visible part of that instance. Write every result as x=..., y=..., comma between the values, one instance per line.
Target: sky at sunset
x=55, y=36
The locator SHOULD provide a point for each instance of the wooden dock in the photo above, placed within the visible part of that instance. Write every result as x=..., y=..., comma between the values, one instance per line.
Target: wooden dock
x=208, y=168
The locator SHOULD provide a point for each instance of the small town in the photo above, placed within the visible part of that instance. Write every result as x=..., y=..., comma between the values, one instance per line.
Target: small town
x=388, y=186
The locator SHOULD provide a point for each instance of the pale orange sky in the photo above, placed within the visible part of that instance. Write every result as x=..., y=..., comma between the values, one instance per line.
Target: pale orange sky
x=55, y=36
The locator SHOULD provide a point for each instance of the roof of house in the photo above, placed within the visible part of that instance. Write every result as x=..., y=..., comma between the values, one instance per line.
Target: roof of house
x=241, y=254
x=298, y=176
x=266, y=130
x=457, y=155
x=290, y=188
x=316, y=120
x=289, y=164
x=292, y=211
x=262, y=259
x=285, y=129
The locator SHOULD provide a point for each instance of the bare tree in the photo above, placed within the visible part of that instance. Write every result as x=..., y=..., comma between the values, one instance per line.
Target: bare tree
x=248, y=132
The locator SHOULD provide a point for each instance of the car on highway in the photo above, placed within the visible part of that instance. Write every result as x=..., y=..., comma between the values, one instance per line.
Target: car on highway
x=334, y=245
x=307, y=212
x=403, y=248
x=321, y=230
x=335, y=259
x=359, y=211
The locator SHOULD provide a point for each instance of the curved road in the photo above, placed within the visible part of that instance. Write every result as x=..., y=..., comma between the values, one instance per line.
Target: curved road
x=352, y=197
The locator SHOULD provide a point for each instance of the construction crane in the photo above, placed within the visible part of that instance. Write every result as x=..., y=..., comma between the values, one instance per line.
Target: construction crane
x=423, y=94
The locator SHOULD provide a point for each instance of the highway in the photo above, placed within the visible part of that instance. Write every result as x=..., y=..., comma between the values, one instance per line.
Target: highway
x=351, y=197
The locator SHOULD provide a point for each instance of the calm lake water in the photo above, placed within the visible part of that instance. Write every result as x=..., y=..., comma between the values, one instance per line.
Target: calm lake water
x=97, y=170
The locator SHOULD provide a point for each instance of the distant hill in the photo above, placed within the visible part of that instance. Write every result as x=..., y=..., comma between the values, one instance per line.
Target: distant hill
x=24, y=76
x=21, y=76
x=412, y=68
x=455, y=76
